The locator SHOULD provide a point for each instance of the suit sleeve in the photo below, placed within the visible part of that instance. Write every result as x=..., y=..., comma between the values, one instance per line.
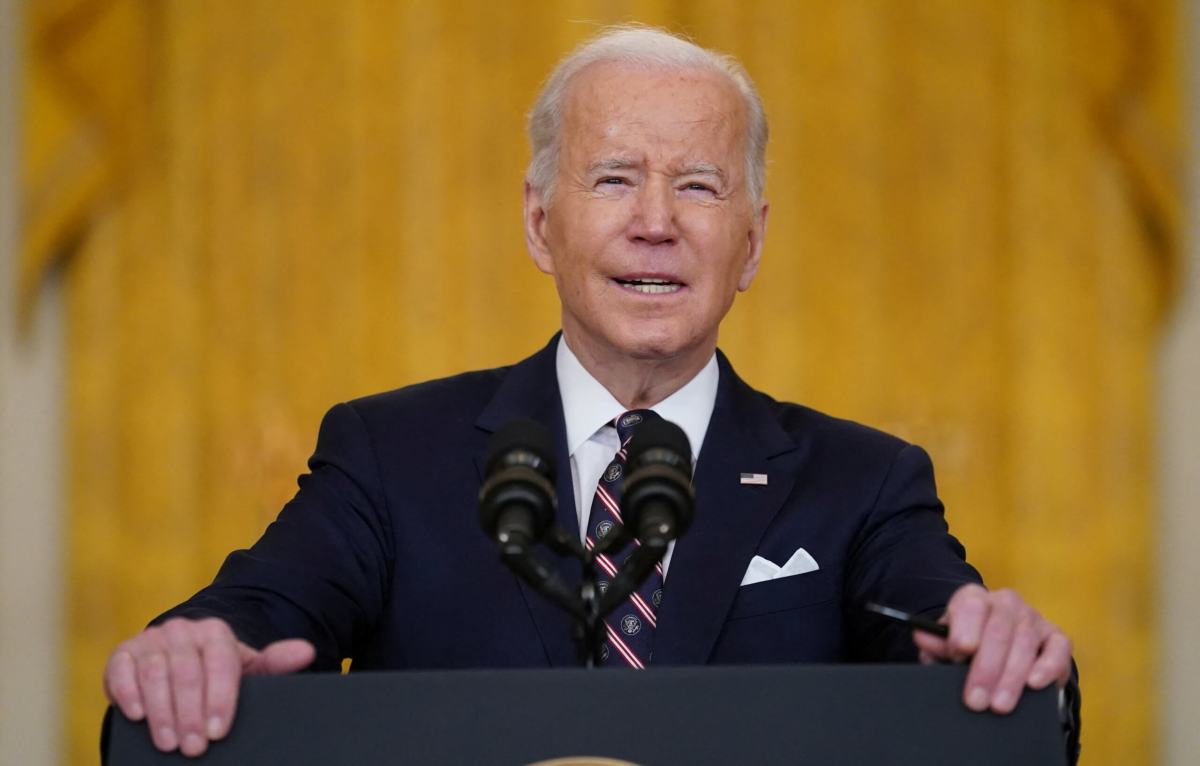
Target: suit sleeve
x=904, y=556
x=322, y=569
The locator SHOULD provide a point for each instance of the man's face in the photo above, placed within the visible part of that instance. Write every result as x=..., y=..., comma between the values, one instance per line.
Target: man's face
x=651, y=230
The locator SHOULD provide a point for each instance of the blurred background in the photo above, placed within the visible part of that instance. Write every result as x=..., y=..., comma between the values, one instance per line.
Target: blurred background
x=218, y=218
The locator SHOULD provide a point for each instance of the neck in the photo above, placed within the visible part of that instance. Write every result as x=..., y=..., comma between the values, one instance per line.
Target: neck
x=639, y=383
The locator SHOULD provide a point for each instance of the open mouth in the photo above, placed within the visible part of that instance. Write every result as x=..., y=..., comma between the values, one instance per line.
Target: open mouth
x=650, y=286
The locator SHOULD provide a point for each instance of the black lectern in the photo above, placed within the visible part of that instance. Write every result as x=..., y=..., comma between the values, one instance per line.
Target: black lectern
x=843, y=714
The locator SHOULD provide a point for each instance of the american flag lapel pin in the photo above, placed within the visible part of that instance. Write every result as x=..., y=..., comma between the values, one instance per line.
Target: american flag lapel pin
x=757, y=479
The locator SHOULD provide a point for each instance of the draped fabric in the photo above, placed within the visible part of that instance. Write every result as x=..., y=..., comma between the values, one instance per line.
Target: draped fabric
x=262, y=207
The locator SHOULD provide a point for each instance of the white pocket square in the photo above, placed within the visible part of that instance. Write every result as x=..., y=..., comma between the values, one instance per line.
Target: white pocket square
x=761, y=570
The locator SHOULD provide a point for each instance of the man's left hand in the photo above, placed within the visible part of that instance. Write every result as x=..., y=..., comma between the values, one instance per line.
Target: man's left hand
x=1010, y=646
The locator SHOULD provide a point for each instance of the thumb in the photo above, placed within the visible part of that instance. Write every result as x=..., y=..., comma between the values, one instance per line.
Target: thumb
x=285, y=656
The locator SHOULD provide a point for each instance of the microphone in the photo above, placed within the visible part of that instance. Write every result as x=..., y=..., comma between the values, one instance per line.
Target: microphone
x=657, y=501
x=517, y=500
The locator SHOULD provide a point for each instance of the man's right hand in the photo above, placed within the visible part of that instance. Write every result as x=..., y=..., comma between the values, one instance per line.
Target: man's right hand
x=183, y=678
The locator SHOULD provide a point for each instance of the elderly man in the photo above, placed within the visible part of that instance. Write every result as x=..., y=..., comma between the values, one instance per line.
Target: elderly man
x=644, y=202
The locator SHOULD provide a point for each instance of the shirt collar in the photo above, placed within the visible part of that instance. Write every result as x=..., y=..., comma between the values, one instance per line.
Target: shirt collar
x=588, y=406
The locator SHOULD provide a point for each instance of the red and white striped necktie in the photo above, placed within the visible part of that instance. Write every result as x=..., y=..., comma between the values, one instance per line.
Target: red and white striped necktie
x=629, y=627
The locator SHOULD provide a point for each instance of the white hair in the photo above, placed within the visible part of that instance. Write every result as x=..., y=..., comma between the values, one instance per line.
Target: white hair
x=651, y=48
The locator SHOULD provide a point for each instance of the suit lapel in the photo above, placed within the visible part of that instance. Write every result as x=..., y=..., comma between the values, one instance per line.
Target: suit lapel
x=530, y=390
x=711, y=558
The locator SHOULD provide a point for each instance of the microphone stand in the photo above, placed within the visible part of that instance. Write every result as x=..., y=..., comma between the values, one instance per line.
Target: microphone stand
x=588, y=606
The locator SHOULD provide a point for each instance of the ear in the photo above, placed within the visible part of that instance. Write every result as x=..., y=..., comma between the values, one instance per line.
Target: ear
x=535, y=230
x=758, y=231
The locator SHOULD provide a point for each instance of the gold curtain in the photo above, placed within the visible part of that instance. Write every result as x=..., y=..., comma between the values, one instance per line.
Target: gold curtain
x=262, y=207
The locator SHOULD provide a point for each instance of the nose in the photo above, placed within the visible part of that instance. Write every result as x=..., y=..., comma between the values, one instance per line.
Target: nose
x=654, y=213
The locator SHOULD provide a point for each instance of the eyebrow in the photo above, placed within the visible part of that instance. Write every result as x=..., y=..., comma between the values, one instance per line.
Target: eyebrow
x=614, y=163
x=624, y=163
x=702, y=169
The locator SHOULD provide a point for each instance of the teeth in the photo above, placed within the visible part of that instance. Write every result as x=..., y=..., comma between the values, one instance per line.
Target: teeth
x=653, y=288
x=651, y=285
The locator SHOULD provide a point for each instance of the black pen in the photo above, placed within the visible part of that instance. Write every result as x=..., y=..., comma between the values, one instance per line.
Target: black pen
x=915, y=620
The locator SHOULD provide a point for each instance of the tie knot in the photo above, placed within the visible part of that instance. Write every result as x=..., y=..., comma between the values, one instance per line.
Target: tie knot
x=627, y=422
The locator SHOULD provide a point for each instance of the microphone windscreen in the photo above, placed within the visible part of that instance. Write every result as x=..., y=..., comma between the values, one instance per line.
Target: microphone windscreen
x=521, y=442
x=659, y=435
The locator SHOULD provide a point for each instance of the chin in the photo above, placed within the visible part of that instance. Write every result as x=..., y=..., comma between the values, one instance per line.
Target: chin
x=654, y=343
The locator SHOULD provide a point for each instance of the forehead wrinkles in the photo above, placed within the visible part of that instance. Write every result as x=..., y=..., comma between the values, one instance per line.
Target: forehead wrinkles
x=684, y=113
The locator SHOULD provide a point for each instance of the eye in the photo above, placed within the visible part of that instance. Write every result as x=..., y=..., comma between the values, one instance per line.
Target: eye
x=612, y=180
x=698, y=186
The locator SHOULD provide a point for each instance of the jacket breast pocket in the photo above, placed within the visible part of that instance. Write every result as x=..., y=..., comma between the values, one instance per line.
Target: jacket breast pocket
x=785, y=594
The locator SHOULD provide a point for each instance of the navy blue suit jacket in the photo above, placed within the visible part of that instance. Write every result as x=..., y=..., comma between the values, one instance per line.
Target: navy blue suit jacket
x=380, y=556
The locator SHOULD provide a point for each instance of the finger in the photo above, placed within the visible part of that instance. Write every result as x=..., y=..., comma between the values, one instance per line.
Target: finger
x=1027, y=637
x=187, y=685
x=990, y=659
x=222, y=674
x=966, y=614
x=934, y=646
x=285, y=656
x=153, y=680
x=1054, y=663
x=121, y=686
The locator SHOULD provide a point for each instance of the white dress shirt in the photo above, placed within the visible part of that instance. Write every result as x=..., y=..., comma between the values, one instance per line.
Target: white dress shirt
x=592, y=441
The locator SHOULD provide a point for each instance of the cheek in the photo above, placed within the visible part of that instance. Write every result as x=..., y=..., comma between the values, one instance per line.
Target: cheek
x=580, y=245
x=725, y=252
